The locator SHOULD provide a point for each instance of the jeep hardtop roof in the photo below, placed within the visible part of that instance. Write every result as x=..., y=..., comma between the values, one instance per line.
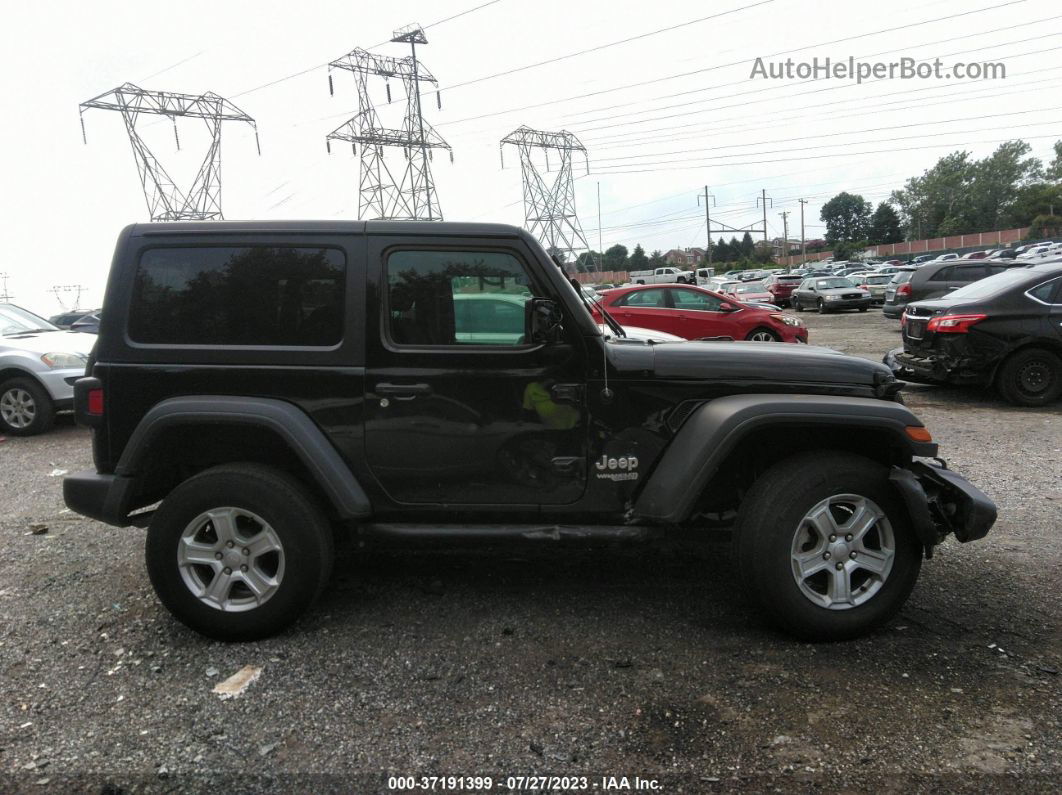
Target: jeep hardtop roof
x=434, y=228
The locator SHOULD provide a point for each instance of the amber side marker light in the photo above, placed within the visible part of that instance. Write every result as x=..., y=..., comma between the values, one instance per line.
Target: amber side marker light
x=918, y=433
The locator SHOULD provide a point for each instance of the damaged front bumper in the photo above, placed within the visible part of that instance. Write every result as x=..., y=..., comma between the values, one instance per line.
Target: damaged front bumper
x=940, y=502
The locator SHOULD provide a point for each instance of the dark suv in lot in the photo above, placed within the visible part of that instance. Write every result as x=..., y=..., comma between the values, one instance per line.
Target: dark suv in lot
x=1005, y=331
x=258, y=387
x=936, y=279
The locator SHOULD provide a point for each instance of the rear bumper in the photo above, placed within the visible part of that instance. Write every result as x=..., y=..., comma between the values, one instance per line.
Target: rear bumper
x=936, y=369
x=941, y=502
x=892, y=310
x=105, y=498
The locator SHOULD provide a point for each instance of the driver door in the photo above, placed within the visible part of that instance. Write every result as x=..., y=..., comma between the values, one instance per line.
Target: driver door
x=699, y=314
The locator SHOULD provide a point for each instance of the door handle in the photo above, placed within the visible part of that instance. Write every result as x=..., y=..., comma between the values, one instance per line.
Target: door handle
x=403, y=391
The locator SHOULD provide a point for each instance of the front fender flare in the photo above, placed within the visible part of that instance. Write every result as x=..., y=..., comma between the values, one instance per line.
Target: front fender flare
x=714, y=429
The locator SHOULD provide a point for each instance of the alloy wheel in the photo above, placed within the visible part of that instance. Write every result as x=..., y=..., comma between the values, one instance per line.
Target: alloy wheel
x=18, y=408
x=843, y=551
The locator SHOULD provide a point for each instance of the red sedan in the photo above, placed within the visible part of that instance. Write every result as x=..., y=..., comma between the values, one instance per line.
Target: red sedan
x=693, y=313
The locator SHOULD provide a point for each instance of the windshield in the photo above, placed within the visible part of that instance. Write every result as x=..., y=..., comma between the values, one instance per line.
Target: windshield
x=833, y=284
x=749, y=288
x=878, y=279
x=992, y=285
x=14, y=320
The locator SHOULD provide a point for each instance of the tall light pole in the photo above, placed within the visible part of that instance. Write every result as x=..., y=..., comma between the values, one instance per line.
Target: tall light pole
x=785, y=234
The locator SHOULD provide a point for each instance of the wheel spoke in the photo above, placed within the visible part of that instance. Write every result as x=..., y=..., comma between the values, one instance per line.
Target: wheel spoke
x=873, y=560
x=224, y=521
x=822, y=522
x=840, y=586
x=218, y=590
x=196, y=554
x=811, y=563
x=257, y=582
x=862, y=520
x=262, y=543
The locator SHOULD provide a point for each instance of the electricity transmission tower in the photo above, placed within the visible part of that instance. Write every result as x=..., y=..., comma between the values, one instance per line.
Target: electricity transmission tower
x=166, y=201
x=549, y=205
x=58, y=290
x=4, y=294
x=381, y=195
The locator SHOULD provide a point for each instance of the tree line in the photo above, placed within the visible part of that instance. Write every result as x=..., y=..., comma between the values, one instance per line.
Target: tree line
x=958, y=195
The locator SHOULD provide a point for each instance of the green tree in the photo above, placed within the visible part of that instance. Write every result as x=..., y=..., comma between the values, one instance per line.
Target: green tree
x=588, y=261
x=885, y=225
x=996, y=180
x=638, y=261
x=616, y=258
x=1054, y=171
x=847, y=217
x=656, y=259
x=721, y=251
x=748, y=248
x=1039, y=198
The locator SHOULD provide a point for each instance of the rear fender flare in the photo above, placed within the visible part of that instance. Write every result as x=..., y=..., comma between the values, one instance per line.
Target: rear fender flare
x=290, y=423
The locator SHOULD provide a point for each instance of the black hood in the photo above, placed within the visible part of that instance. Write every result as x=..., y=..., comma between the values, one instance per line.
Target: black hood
x=768, y=365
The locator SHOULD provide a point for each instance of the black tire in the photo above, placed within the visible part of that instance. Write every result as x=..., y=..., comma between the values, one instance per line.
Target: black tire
x=1030, y=377
x=864, y=308
x=772, y=514
x=797, y=306
x=762, y=330
x=821, y=307
x=285, y=505
x=39, y=402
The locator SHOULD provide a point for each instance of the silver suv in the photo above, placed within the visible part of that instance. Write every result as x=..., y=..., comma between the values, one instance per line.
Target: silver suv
x=38, y=366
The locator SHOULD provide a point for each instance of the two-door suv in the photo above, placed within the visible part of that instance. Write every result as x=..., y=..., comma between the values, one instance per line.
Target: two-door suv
x=258, y=387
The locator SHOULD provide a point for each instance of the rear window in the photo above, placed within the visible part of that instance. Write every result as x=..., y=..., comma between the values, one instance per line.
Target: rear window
x=239, y=295
x=901, y=277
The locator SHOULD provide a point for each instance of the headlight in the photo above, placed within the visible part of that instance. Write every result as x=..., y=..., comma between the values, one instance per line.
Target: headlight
x=64, y=361
x=789, y=320
x=832, y=297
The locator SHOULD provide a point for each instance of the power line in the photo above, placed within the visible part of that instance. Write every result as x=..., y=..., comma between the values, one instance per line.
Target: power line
x=324, y=65
x=734, y=63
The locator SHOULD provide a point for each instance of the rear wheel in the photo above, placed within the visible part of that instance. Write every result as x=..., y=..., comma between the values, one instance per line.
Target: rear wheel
x=1031, y=377
x=863, y=308
x=825, y=547
x=797, y=306
x=762, y=335
x=25, y=407
x=239, y=551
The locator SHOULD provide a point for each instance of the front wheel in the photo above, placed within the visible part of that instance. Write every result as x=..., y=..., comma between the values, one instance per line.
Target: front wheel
x=1031, y=377
x=25, y=407
x=762, y=335
x=821, y=307
x=825, y=546
x=239, y=551
x=863, y=308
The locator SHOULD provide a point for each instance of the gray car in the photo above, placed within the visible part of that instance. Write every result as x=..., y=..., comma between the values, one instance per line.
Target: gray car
x=38, y=366
x=829, y=294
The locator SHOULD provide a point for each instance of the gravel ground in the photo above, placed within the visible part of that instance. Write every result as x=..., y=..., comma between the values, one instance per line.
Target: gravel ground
x=610, y=662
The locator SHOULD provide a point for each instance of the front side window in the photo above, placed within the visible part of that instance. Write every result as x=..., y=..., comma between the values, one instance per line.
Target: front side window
x=456, y=298
x=239, y=295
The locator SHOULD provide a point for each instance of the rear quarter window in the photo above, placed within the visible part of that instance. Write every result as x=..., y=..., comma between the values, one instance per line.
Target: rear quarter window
x=239, y=295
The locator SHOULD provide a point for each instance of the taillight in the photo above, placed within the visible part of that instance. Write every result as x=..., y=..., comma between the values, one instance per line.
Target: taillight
x=94, y=402
x=903, y=289
x=953, y=324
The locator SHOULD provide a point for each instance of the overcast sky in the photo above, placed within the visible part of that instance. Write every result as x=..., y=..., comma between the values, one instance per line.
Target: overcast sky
x=696, y=119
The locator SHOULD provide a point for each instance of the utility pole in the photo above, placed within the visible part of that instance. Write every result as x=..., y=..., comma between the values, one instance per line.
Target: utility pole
x=785, y=234
x=803, y=248
x=600, y=251
x=707, y=221
x=762, y=200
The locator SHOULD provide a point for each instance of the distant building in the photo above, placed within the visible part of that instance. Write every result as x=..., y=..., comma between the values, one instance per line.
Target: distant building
x=684, y=257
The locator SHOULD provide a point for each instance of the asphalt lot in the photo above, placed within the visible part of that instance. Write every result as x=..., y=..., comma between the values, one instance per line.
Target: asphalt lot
x=608, y=662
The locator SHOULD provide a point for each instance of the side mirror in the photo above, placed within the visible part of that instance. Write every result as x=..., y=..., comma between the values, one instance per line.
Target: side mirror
x=726, y=306
x=543, y=322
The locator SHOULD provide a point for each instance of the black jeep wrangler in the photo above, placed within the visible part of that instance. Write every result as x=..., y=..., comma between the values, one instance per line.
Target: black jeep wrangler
x=259, y=387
